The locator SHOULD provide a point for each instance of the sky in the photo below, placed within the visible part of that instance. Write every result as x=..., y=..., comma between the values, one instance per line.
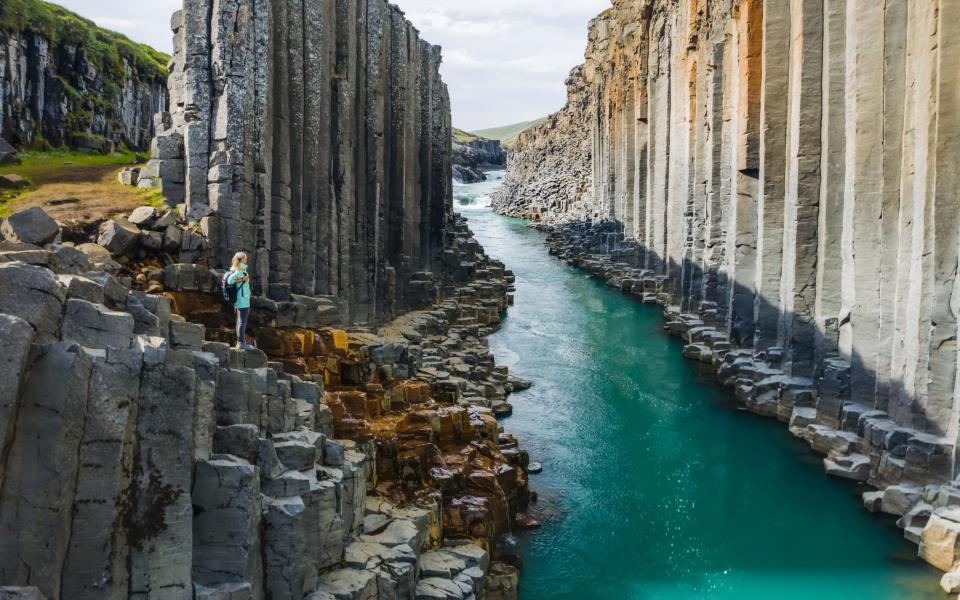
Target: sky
x=505, y=61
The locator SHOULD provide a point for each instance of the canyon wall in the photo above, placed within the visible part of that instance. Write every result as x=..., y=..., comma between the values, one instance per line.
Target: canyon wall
x=471, y=155
x=66, y=82
x=785, y=175
x=314, y=135
x=144, y=455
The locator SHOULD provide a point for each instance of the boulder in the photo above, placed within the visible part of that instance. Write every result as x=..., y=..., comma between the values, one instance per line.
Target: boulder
x=119, y=236
x=8, y=154
x=12, y=182
x=67, y=259
x=96, y=326
x=348, y=584
x=33, y=294
x=128, y=176
x=30, y=226
x=142, y=216
x=940, y=540
x=296, y=455
x=503, y=582
x=186, y=335
x=950, y=582
x=897, y=499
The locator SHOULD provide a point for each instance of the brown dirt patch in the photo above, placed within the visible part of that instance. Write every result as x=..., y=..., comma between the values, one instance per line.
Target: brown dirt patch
x=80, y=193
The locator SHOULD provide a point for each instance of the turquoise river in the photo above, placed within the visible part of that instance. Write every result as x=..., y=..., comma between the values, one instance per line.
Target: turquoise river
x=655, y=486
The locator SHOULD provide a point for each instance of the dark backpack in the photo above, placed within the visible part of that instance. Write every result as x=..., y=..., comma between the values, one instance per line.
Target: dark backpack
x=229, y=290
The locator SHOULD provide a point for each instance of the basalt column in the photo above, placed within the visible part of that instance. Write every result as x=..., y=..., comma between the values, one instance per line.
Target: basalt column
x=314, y=135
x=787, y=172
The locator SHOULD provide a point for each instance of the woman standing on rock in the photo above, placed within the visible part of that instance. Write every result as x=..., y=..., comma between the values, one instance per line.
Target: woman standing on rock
x=238, y=277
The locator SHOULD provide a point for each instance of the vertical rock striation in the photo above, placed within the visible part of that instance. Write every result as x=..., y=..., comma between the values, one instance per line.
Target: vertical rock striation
x=781, y=175
x=315, y=135
x=66, y=82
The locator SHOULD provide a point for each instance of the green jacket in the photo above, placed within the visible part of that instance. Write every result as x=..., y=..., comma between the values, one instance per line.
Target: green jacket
x=243, y=290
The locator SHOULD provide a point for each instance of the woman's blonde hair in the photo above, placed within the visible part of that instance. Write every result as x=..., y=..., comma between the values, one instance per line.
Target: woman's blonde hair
x=238, y=258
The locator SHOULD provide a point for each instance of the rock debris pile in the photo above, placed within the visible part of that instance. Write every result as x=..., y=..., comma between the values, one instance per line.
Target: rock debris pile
x=145, y=457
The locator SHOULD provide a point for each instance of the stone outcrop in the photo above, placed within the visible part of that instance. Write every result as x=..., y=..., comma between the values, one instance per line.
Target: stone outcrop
x=143, y=456
x=315, y=135
x=472, y=155
x=781, y=177
x=66, y=82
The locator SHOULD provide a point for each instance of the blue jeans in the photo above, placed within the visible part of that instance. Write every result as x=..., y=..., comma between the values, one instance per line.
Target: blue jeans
x=242, y=314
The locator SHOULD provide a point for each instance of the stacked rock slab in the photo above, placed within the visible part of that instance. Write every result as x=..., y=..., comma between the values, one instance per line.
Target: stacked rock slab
x=315, y=135
x=782, y=176
x=141, y=459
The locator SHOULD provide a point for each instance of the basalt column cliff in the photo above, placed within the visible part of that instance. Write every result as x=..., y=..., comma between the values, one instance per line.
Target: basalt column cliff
x=782, y=176
x=314, y=134
x=144, y=455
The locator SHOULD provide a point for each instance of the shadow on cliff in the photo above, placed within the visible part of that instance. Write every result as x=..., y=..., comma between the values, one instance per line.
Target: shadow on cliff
x=812, y=354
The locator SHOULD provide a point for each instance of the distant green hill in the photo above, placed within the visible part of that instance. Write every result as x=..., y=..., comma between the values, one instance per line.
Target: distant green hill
x=508, y=133
x=462, y=137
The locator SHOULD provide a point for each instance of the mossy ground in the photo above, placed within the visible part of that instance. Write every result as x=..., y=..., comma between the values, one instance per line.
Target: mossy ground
x=75, y=186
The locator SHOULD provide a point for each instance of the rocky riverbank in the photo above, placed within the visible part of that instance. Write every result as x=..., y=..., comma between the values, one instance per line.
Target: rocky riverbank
x=907, y=471
x=358, y=462
x=472, y=155
x=780, y=176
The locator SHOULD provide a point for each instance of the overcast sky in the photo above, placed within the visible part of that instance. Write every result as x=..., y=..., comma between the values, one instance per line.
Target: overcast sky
x=504, y=60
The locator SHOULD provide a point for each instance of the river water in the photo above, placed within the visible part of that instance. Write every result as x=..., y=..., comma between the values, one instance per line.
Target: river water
x=655, y=486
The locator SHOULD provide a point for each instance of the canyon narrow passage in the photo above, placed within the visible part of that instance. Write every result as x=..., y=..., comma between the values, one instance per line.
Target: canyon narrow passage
x=654, y=485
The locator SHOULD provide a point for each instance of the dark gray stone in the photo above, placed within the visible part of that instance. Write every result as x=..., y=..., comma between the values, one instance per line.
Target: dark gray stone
x=34, y=295
x=30, y=226
x=119, y=236
x=96, y=326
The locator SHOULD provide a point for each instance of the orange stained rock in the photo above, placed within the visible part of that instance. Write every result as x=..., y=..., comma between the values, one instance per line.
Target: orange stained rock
x=340, y=340
x=198, y=307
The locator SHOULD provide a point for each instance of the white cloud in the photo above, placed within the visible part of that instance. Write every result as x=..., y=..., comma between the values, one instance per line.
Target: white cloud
x=117, y=23
x=504, y=60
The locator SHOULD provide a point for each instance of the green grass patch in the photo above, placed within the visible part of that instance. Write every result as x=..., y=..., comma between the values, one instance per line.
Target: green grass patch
x=462, y=137
x=153, y=197
x=508, y=133
x=41, y=167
